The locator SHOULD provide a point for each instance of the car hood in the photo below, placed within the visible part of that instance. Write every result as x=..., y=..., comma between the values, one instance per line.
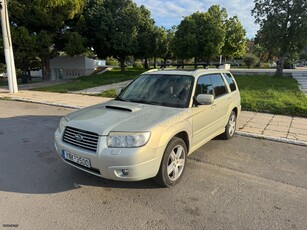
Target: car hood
x=124, y=116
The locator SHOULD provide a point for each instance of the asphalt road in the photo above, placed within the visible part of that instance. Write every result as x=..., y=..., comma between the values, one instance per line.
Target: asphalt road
x=238, y=184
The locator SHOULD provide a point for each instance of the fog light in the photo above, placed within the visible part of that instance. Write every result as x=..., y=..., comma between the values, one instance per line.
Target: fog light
x=125, y=172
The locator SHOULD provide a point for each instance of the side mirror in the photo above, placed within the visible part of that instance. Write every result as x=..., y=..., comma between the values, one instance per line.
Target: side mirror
x=118, y=91
x=205, y=99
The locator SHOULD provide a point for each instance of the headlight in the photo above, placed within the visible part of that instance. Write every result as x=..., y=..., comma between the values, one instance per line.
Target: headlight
x=63, y=123
x=127, y=140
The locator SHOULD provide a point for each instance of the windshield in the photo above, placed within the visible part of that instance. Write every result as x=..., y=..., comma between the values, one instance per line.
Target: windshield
x=156, y=89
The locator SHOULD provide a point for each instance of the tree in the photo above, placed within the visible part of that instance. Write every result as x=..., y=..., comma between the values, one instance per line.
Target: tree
x=146, y=37
x=201, y=35
x=75, y=44
x=44, y=21
x=112, y=28
x=167, y=42
x=235, y=41
x=25, y=50
x=250, y=60
x=163, y=39
x=283, y=27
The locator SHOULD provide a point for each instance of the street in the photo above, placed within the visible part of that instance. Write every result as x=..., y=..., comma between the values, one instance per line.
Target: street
x=243, y=183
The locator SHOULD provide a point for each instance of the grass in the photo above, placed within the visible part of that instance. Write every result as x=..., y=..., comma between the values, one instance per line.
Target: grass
x=277, y=95
x=111, y=93
x=94, y=80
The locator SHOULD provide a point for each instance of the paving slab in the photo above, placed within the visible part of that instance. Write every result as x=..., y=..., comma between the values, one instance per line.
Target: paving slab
x=278, y=128
x=275, y=133
x=60, y=99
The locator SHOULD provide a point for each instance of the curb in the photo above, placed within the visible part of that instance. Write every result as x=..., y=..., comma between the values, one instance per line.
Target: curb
x=41, y=102
x=276, y=139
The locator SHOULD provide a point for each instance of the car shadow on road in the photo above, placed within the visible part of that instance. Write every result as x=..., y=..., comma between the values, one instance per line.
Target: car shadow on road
x=30, y=164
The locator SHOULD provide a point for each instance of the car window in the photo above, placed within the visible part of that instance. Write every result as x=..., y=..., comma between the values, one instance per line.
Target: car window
x=218, y=85
x=230, y=81
x=204, y=86
x=158, y=89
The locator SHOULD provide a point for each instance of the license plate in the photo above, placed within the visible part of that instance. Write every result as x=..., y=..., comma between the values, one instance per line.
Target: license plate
x=77, y=159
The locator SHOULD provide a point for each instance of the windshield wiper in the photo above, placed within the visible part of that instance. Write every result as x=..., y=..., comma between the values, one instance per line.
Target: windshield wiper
x=145, y=102
x=120, y=99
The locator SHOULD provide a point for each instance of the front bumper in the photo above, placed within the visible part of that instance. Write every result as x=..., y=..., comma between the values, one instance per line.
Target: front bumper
x=140, y=163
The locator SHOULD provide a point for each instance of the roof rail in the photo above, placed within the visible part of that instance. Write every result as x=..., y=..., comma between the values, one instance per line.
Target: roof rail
x=205, y=65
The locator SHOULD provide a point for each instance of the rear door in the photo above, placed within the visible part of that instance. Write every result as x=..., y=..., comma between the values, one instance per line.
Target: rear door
x=222, y=100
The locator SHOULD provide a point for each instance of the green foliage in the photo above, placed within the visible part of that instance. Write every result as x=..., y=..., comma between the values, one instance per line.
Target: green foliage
x=2, y=68
x=111, y=93
x=146, y=35
x=36, y=26
x=235, y=41
x=75, y=44
x=138, y=64
x=251, y=60
x=303, y=53
x=166, y=42
x=112, y=28
x=25, y=50
x=201, y=35
x=283, y=26
x=48, y=15
x=112, y=61
x=277, y=95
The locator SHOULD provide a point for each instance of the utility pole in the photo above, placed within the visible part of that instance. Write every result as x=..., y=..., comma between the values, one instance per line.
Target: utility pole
x=8, y=48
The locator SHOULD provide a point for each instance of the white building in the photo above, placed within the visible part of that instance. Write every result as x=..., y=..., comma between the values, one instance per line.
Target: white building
x=65, y=67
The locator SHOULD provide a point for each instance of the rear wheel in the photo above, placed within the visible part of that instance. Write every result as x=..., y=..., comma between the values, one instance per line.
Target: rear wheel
x=230, y=128
x=173, y=163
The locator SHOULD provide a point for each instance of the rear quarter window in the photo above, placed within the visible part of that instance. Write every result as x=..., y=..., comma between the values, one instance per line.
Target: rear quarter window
x=230, y=81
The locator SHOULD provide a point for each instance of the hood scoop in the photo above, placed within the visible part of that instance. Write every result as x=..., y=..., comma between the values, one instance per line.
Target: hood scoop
x=123, y=108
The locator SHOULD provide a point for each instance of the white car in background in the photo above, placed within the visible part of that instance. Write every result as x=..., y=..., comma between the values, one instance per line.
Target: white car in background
x=152, y=126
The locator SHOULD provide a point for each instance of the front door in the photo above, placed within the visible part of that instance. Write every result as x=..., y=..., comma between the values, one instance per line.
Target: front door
x=203, y=115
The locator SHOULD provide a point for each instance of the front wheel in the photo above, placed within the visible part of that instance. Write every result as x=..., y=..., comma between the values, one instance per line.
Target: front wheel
x=173, y=163
x=230, y=128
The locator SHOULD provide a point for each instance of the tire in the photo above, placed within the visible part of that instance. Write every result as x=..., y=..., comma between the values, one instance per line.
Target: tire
x=230, y=128
x=173, y=163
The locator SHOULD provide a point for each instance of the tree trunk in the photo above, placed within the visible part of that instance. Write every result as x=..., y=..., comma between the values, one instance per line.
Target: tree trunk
x=46, y=68
x=195, y=62
x=280, y=66
x=122, y=64
x=29, y=74
x=155, y=61
x=146, y=63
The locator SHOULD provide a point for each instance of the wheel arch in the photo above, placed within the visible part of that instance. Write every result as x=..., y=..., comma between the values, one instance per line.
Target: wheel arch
x=185, y=137
x=235, y=109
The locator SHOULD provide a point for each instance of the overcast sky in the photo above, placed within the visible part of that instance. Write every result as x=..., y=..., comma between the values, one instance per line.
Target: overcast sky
x=170, y=12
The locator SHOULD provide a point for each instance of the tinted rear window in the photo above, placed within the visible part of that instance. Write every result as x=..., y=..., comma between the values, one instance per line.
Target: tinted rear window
x=230, y=81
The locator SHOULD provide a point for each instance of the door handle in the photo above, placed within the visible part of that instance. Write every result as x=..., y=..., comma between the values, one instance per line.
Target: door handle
x=213, y=106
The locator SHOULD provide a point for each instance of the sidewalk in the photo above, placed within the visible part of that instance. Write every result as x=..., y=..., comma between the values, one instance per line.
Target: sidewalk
x=260, y=125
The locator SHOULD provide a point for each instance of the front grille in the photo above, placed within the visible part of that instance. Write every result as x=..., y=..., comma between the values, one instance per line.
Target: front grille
x=83, y=139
